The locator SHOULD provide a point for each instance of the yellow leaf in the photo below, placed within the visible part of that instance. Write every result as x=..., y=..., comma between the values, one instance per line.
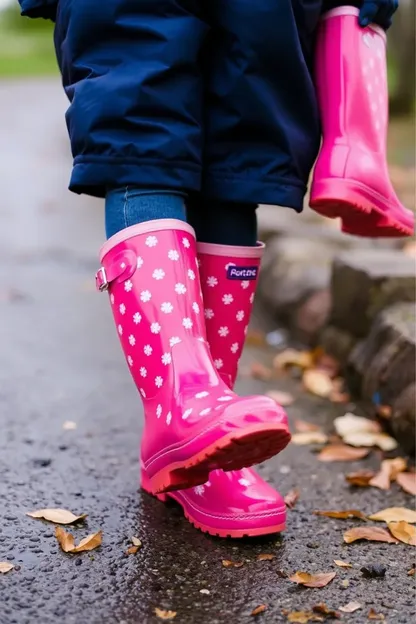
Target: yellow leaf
x=313, y=580
x=291, y=357
x=342, y=564
x=370, y=533
x=260, y=609
x=89, y=543
x=165, y=615
x=136, y=542
x=309, y=437
x=5, y=566
x=342, y=452
x=342, y=515
x=404, y=532
x=265, y=557
x=281, y=398
x=232, y=564
x=303, y=617
x=350, y=607
x=58, y=516
x=372, y=615
x=132, y=550
x=361, y=478
x=318, y=382
x=394, y=514
x=67, y=541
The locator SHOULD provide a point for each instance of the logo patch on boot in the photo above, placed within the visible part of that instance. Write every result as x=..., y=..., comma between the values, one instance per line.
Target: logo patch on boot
x=242, y=273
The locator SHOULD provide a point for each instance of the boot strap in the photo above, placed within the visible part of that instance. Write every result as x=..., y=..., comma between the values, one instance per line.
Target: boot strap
x=120, y=268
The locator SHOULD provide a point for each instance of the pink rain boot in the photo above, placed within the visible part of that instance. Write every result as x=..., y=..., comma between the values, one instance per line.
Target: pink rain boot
x=351, y=178
x=194, y=423
x=238, y=503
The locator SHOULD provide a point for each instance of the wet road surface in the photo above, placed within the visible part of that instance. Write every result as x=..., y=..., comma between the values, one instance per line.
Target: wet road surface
x=60, y=361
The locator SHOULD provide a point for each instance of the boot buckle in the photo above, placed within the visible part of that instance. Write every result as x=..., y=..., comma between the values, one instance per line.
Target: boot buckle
x=101, y=281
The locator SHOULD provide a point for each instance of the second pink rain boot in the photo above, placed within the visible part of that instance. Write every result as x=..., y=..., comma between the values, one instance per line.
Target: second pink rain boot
x=193, y=422
x=238, y=503
x=351, y=178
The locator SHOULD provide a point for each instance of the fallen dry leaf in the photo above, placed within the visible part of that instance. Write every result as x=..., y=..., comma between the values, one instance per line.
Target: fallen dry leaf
x=372, y=615
x=5, y=566
x=361, y=478
x=394, y=514
x=350, y=607
x=309, y=437
x=292, y=498
x=370, y=533
x=291, y=357
x=259, y=371
x=255, y=338
x=260, y=609
x=317, y=382
x=136, y=542
x=404, y=532
x=342, y=515
x=342, y=452
x=69, y=425
x=342, y=564
x=322, y=609
x=303, y=426
x=132, y=550
x=385, y=442
x=281, y=398
x=362, y=438
x=407, y=481
x=232, y=564
x=265, y=557
x=411, y=572
x=59, y=516
x=350, y=423
x=388, y=472
x=67, y=541
x=165, y=615
x=313, y=580
x=302, y=617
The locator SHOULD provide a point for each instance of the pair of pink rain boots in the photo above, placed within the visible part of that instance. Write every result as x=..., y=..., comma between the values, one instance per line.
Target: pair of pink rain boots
x=182, y=316
x=351, y=178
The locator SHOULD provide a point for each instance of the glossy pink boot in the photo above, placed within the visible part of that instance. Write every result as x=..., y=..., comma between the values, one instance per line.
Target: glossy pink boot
x=351, y=178
x=194, y=422
x=238, y=503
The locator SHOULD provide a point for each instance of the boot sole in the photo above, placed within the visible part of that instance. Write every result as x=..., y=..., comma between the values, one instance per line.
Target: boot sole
x=349, y=200
x=232, y=452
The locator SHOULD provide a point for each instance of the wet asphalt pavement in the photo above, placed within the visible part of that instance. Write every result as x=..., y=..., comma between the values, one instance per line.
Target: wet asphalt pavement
x=60, y=361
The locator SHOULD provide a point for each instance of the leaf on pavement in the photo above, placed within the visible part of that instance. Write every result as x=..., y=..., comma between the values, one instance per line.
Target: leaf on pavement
x=362, y=438
x=342, y=515
x=281, y=398
x=350, y=607
x=342, y=452
x=292, y=498
x=232, y=564
x=361, y=478
x=59, y=516
x=5, y=566
x=291, y=357
x=388, y=472
x=67, y=541
x=303, y=426
x=259, y=371
x=132, y=550
x=403, y=531
x=165, y=615
x=370, y=533
x=411, y=572
x=255, y=338
x=407, y=481
x=260, y=609
x=309, y=437
x=326, y=611
x=342, y=564
x=373, y=615
x=265, y=557
x=350, y=423
x=317, y=382
x=312, y=580
x=136, y=542
x=302, y=617
x=394, y=514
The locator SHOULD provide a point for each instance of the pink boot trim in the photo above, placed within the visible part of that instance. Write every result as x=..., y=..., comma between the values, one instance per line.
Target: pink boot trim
x=194, y=423
x=239, y=503
x=351, y=178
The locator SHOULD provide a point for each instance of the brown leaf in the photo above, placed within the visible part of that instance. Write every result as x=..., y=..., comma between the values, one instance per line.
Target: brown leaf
x=370, y=533
x=394, y=514
x=265, y=557
x=260, y=609
x=313, y=580
x=407, y=481
x=361, y=478
x=291, y=357
x=165, y=615
x=5, y=566
x=404, y=532
x=342, y=515
x=324, y=610
x=232, y=564
x=259, y=371
x=132, y=550
x=342, y=564
x=309, y=437
x=281, y=398
x=292, y=498
x=342, y=452
x=411, y=572
x=255, y=338
x=136, y=542
x=303, y=617
x=317, y=382
x=302, y=426
x=389, y=470
x=59, y=516
x=67, y=542
x=350, y=607
x=372, y=615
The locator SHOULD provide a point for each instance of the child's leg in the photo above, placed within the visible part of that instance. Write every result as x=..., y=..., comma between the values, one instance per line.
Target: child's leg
x=223, y=223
